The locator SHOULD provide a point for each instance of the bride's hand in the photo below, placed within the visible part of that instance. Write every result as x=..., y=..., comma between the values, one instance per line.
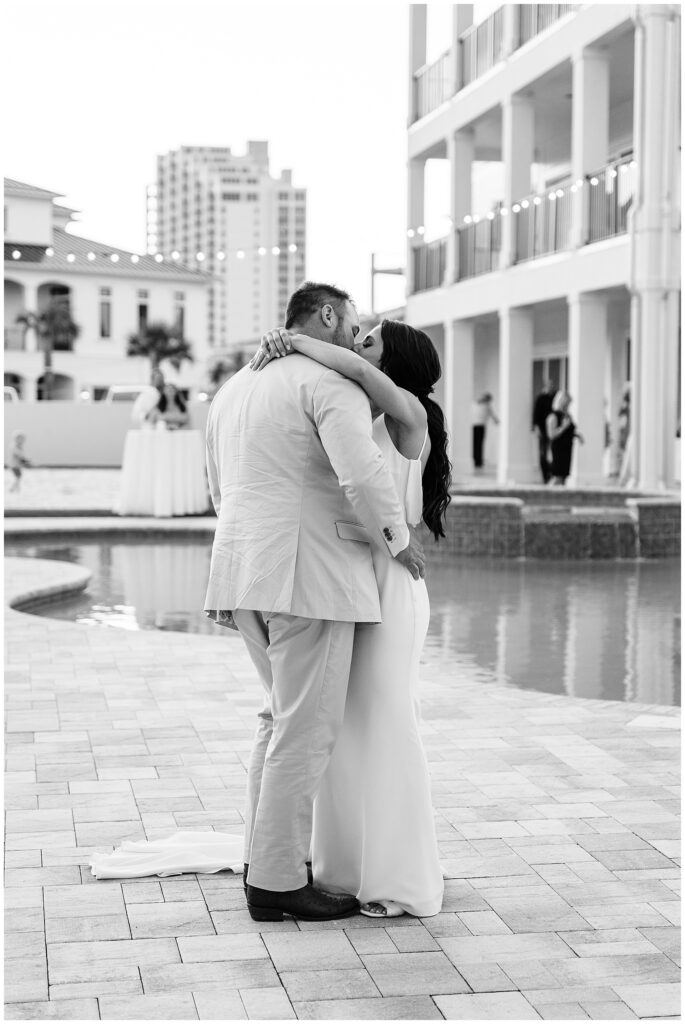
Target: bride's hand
x=273, y=345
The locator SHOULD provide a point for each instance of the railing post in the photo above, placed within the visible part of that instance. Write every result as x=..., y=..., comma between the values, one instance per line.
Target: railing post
x=510, y=28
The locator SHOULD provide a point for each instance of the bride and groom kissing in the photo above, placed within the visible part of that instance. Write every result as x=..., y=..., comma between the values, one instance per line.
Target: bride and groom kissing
x=323, y=454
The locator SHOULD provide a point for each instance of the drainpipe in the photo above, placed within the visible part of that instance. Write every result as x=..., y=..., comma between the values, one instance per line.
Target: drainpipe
x=636, y=208
x=670, y=67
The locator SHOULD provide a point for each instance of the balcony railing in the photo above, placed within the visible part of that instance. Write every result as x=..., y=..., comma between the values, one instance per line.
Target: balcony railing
x=430, y=260
x=610, y=194
x=433, y=84
x=543, y=223
x=15, y=339
x=535, y=18
x=478, y=246
x=482, y=46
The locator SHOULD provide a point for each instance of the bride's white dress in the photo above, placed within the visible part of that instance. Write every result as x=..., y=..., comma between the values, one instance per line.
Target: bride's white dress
x=374, y=833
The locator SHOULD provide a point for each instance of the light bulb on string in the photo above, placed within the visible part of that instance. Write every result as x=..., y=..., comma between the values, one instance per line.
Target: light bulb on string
x=134, y=258
x=159, y=258
x=91, y=256
x=292, y=247
x=16, y=255
x=49, y=251
x=261, y=250
x=276, y=251
x=240, y=254
x=114, y=257
x=175, y=255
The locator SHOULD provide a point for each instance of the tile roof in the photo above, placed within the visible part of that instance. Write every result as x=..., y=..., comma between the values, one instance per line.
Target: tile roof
x=21, y=188
x=64, y=244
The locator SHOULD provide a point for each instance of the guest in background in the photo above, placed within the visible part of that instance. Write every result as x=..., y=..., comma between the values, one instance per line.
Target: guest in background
x=482, y=412
x=170, y=409
x=562, y=432
x=17, y=460
x=625, y=447
x=542, y=407
x=148, y=399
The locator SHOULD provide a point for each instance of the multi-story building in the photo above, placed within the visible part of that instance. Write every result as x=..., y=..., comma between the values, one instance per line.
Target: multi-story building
x=227, y=214
x=111, y=294
x=561, y=126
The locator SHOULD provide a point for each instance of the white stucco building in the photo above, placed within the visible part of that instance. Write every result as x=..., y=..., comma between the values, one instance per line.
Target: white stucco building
x=560, y=124
x=111, y=293
x=226, y=213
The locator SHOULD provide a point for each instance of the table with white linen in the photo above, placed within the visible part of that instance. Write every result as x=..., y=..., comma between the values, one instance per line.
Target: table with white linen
x=163, y=473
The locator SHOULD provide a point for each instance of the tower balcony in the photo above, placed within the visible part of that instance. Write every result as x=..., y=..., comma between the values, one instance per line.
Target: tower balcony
x=543, y=224
x=480, y=48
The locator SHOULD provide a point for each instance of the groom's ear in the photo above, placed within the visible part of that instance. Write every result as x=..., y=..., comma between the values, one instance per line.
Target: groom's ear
x=328, y=315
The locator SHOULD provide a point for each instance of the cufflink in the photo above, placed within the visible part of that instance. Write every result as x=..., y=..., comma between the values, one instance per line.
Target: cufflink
x=388, y=533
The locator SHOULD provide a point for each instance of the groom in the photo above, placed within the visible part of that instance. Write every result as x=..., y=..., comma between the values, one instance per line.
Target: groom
x=299, y=488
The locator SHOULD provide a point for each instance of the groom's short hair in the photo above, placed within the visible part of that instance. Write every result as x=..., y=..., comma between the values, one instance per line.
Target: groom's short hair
x=309, y=298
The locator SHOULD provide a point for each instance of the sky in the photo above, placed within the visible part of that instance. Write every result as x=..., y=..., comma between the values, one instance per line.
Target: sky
x=97, y=89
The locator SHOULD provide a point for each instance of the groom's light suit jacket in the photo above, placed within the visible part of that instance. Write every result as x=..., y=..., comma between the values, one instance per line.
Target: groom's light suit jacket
x=299, y=488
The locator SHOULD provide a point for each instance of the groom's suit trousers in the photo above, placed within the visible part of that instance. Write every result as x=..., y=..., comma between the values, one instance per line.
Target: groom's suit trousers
x=304, y=666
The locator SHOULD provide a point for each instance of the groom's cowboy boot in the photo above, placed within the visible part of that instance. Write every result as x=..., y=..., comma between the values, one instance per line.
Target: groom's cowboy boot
x=307, y=904
x=310, y=876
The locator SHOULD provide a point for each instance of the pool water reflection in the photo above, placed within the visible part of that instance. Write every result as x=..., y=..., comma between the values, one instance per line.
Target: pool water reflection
x=591, y=629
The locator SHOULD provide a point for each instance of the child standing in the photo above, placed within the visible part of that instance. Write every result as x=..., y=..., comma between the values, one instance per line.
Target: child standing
x=17, y=459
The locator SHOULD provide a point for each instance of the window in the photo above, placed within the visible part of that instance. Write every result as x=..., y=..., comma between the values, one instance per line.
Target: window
x=142, y=317
x=283, y=195
x=299, y=196
x=252, y=197
x=231, y=197
x=143, y=294
x=105, y=319
x=179, y=296
x=105, y=291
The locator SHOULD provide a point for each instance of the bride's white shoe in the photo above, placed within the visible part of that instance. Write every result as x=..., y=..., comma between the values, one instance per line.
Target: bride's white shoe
x=381, y=908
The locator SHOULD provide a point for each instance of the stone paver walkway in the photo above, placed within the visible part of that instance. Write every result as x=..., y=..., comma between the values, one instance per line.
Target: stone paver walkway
x=557, y=819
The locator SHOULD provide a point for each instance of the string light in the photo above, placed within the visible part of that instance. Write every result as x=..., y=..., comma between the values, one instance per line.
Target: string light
x=468, y=219
x=525, y=204
x=537, y=200
x=552, y=196
x=504, y=212
x=594, y=181
x=411, y=233
x=135, y=258
x=560, y=193
x=421, y=230
x=491, y=216
x=516, y=208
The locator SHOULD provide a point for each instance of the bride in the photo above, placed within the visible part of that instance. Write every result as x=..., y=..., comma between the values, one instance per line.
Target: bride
x=373, y=832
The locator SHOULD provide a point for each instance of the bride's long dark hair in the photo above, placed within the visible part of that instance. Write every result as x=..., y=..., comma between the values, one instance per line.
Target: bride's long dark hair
x=411, y=361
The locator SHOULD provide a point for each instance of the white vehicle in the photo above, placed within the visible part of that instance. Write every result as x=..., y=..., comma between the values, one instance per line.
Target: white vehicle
x=11, y=394
x=126, y=392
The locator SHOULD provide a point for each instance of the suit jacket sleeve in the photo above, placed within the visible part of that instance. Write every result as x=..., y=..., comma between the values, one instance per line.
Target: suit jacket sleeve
x=212, y=473
x=342, y=416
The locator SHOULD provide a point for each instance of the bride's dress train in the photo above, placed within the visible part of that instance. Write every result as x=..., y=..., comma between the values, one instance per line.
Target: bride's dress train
x=180, y=853
x=374, y=832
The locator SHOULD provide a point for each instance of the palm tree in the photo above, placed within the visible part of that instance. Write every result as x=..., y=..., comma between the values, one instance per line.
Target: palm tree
x=158, y=342
x=54, y=329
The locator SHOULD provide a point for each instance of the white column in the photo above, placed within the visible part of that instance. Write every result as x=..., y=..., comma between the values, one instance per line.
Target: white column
x=510, y=28
x=518, y=151
x=417, y=50
x=29, y=389
x=516, y=463
x=589, y=126
x=462, y=18
x=416, y=174
x=459, y=357
x=587, y=343
x=656, y=253
x=460, y=153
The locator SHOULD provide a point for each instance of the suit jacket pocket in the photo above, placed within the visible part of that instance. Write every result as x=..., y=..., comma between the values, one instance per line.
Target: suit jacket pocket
x=353, y=531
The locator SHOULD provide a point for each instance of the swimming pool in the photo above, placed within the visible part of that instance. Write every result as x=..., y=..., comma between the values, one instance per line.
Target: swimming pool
x=608, y=630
